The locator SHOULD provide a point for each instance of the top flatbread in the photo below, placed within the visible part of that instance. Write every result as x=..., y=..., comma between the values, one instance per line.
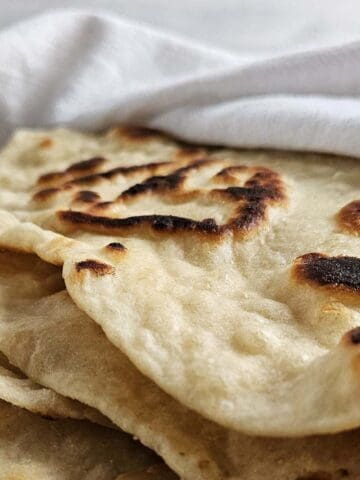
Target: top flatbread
x=229, y=278
x=58, y=345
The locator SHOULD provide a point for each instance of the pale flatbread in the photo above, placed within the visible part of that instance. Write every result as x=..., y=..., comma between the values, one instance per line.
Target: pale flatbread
x=32, y=153
x=209, y=298
x=34, y=448
x=68, y=352
x=155, y=472
x=17, y=389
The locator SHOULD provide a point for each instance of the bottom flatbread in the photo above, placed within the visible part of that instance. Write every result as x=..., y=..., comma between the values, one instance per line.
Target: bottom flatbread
x=44, y=334
x=17, y=389
x=34, y=448
x=155, y=472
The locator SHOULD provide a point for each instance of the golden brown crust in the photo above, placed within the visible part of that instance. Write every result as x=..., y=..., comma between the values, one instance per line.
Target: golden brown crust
x=84, y=167
x=86, y=196
x=190, y=153
x=349, y=218
x=66, y=180
x=160, y=223
x=249, y=204
x=53, y=178
x=90, y=172
x=352, y=337
x=45, y=194
x=115, y=247
x=338, y=275
x=174, y=181
x=137, y=134
x=150, y=168
x=46, y=143
x=95, y=266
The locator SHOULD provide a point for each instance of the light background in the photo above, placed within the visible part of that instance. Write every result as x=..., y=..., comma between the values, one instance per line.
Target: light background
x=249, y=27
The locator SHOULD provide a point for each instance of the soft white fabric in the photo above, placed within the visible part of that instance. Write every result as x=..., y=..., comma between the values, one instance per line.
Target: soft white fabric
x=251, y=28
x=90, y=70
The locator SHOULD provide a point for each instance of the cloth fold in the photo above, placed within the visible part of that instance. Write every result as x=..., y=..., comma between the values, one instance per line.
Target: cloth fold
x=90, y=70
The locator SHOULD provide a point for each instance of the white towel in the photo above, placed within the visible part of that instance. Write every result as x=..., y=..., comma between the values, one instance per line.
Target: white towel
x=91, y=70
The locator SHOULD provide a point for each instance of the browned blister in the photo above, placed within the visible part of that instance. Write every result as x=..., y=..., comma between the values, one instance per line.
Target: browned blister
x=115, y=247
x=77, y=169
x=349, y=218
x=46, y=143
x=339, y=276
x=94, y=266
x=247, y=192
x=137, y=134
x=86, y=196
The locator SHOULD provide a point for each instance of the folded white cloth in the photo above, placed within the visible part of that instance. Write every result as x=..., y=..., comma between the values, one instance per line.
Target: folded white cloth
x=90, y=70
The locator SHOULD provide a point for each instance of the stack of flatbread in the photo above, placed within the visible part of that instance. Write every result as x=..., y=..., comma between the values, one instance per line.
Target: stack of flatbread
x=174, y=311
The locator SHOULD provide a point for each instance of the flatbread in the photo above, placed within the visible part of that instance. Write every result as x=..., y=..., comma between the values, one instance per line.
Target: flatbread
x=68, y=352
x=155, y=472
x=17, y=389
x=229, y=278
x=34, y=448
x=33, y=153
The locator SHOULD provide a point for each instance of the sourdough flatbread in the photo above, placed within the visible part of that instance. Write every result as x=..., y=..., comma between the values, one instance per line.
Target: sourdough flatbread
x=34, y=448
x=68, y=352
x=229, y=278
x=155, y=472
x=17, y=389
x=33, y=153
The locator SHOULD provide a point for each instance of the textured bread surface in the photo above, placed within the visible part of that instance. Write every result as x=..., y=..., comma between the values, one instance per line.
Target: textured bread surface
x=230, y=278
x=67, y=352
x=36, y=448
